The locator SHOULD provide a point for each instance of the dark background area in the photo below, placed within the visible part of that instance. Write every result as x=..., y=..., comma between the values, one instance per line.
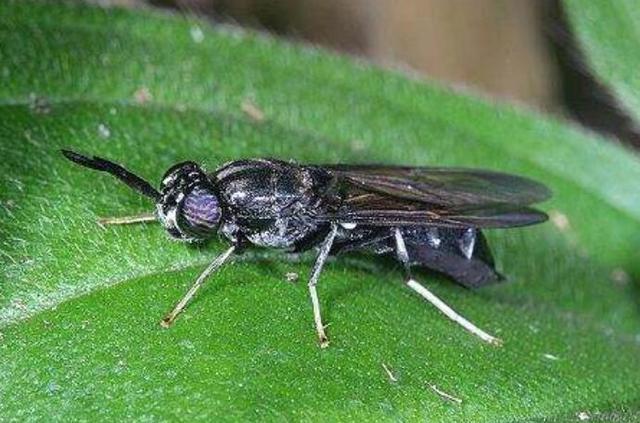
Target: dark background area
x=515, y=50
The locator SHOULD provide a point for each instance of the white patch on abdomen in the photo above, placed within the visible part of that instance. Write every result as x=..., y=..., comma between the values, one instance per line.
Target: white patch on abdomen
x=282, y=234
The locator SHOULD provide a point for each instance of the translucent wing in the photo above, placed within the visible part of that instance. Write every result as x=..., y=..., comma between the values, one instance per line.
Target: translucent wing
x=406, y=196
x=380, y=210
x=451, y=187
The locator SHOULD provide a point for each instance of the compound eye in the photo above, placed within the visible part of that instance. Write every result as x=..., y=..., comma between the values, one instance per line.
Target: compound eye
x=188, y=208
x=200, y=212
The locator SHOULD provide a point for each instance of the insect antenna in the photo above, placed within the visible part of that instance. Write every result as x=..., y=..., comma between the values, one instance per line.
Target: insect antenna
x=98, y=163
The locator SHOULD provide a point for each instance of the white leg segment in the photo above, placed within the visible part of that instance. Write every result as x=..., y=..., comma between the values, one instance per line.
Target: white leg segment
x=126, y=220
x=215, y=264
x=451, y=313
x=313, y=281
x=403, y=256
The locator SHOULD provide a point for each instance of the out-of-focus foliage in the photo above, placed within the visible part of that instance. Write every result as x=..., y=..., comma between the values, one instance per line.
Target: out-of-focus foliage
x=608, y=36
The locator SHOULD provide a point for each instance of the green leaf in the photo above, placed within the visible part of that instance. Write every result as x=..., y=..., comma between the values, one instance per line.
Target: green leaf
x=80, y=305
x=607, y=32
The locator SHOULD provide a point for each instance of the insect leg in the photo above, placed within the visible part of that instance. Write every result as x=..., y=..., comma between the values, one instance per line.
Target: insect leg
x=126, y=220
x=215, y=264
x=403, y=257
x=313, y=281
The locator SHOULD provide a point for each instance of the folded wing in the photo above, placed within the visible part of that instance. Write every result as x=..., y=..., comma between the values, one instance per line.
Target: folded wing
x=454, y=197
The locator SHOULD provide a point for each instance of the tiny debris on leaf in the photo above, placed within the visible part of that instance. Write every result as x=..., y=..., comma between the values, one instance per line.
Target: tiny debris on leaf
x=357, y=145
x=442, y=394
x=620, y=277
x=392, y=377
x=253, y=111
x=559, y=219
x=39, y=105
x=142, y=95
x=550, y=357
x=196, y=34
x=291, y=277
x=104, y=131
x=583, y=416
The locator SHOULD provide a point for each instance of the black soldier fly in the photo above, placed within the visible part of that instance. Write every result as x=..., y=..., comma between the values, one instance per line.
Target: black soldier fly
x=423, y=216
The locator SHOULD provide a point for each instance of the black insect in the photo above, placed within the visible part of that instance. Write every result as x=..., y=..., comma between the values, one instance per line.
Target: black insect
x=423, y=216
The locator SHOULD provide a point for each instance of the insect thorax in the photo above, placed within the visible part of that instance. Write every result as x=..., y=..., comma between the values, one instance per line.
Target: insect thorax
x=271, y=203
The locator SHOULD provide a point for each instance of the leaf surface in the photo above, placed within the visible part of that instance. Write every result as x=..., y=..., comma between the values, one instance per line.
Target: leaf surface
x=80, y=305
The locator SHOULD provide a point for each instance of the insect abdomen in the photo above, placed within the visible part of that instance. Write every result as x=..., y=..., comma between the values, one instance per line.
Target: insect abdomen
x=462, y=254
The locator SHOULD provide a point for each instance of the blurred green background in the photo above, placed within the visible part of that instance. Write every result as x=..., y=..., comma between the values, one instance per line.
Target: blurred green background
x=523, y=51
